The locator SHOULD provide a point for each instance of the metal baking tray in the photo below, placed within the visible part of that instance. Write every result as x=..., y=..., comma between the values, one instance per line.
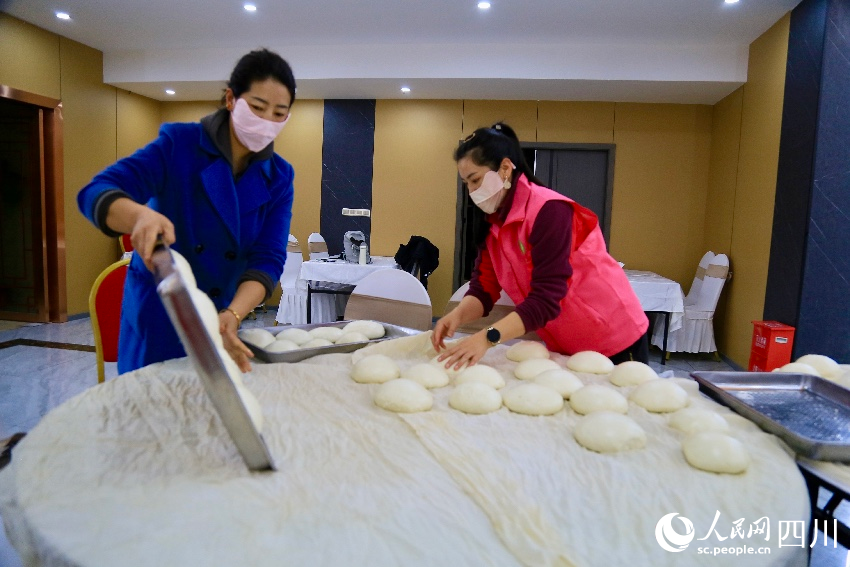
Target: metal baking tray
x=392, y=332
x=810, y=414
x=205, y=357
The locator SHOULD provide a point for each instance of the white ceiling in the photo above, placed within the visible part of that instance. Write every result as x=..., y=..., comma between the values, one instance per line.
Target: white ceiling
x=685, y=51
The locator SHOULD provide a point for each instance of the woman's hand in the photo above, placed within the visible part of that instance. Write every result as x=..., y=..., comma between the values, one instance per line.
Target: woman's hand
x=148, y=226
x=466, y=352
x=228, y=324
x=445, y=328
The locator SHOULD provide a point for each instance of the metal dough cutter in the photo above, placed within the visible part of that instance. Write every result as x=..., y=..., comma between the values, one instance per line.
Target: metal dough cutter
x=174, y=292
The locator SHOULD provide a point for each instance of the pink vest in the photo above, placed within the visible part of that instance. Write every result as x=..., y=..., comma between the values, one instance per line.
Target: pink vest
x=600, y=311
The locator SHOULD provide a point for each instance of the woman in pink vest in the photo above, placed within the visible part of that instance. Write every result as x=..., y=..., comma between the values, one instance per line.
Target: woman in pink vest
x=548, y=254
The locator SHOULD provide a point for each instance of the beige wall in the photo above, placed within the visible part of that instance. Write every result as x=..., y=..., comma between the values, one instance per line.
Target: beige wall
x=755, y=189
x=138, y=122
x=30, y=60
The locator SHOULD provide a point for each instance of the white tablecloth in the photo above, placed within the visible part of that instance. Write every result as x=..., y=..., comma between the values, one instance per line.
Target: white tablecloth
x=657, y=293
x=139, y=471
x=326, y=307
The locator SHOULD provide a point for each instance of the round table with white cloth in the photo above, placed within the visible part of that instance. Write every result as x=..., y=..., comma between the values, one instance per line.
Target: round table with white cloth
x=140, y=471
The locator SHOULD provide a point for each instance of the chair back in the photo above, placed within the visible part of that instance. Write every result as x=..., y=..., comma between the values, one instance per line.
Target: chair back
x=317, y=246
x=105, y=300
x=126, y=243
x=391, y=296
x=292, y=267
x=693, y=293
x=712, y=284
x=503, y=307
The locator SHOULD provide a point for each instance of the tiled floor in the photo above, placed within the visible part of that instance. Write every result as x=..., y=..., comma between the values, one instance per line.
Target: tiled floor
x=35, y=377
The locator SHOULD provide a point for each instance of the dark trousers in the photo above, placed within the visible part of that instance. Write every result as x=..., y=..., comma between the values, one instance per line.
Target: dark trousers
x=638, y=351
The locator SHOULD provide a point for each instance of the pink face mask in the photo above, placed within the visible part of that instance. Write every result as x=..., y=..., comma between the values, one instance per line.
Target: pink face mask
x=490, y=193
x=253, y=132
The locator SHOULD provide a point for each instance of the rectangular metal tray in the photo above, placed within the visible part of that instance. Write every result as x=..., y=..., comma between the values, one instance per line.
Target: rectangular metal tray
x=810, y=414
x=392, y=332
x=206, y=359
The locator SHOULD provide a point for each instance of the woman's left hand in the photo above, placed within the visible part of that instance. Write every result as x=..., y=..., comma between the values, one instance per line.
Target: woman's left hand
x=466, y=352
x=234, y=347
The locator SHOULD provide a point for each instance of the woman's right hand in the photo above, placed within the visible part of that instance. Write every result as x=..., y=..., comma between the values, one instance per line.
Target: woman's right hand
x=148, y=226
x=445, y=328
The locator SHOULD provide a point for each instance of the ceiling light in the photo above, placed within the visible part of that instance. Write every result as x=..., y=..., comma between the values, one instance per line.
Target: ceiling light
x=483, y=5
x=731, y=1
x=169, y=91
x=405, y=90
x=63, y=15
x=250, y=8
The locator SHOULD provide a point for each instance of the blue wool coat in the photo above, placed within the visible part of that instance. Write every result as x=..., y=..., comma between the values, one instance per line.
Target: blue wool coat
x=223, y=227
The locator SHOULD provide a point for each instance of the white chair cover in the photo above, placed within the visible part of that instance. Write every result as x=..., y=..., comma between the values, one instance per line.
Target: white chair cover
x=391, y=296
x=503, y=307
x=293, y=301
x=317, y=246
x=690, y=299
x=697, y=332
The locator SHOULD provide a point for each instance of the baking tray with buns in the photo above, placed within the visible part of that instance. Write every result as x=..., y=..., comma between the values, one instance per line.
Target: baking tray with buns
x=390, y=332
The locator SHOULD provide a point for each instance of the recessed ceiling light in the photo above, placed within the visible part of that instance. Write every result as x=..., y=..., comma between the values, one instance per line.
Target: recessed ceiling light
x=483, y=5
x=731, y=1
x=250, y=8
x=405, y=90
x=169, y=91
x=63, y=15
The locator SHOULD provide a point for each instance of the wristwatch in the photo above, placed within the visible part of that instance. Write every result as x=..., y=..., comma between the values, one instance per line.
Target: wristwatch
x=494, y=337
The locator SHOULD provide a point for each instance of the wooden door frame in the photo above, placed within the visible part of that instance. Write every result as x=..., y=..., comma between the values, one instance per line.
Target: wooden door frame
x=54, y=303
x=609, y=195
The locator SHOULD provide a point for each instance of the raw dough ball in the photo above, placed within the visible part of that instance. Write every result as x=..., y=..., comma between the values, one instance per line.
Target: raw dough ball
x=609, y=432
x=660, y=396
x=371, y=329
x=404, y=396
x=450, y=371
x=827, y=367
x=524, y=350
x=429, y=375
x=185, y=270
x=533, y=399
x=258, y=337
x=798, y=368
x=328, y=333
x=353, y=337
x=590, y=361
x=594, y=397
x=562, y=381
x=315, y=343
x=715, y=452
x=209, y=316
x=281, y=345
x=689, y=385
x=375, y=369
x=528, y=369
x=695, y=420
x=230, y=367
x=632, y=373
x=481, y=373
x=297, y=336
x=252, y=405
x=475, y=397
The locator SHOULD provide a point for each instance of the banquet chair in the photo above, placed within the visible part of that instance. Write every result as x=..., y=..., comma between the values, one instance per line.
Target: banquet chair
x=292, y=307
x=691, y=298
x=317, y=246
x=105, y=298
x=697, y=332
x=503, y=307
x=391, y=296
x=126, y=246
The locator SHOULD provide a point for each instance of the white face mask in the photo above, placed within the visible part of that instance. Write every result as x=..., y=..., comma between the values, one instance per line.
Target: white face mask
x=490, y=193
x=253, y=132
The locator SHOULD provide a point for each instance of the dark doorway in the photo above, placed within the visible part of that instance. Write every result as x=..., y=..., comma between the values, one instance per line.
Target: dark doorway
x=582, y=172
x=32, y=265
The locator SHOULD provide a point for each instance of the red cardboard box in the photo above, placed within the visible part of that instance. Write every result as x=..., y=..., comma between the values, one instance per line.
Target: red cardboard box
x=772, y=345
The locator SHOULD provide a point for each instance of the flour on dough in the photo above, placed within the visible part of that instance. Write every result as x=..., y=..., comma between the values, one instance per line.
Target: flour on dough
x=595, y=397
x=375, y=369
x=716, y=452
x=533, y=399
x=475, y=398
x=481, y=373
x=429, y=375
x=524, y=350
x=590, y=361
x=609, y=432
x=403, y=396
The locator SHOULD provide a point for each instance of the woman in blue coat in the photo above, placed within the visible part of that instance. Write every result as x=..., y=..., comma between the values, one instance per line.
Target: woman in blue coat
x=219, y=195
